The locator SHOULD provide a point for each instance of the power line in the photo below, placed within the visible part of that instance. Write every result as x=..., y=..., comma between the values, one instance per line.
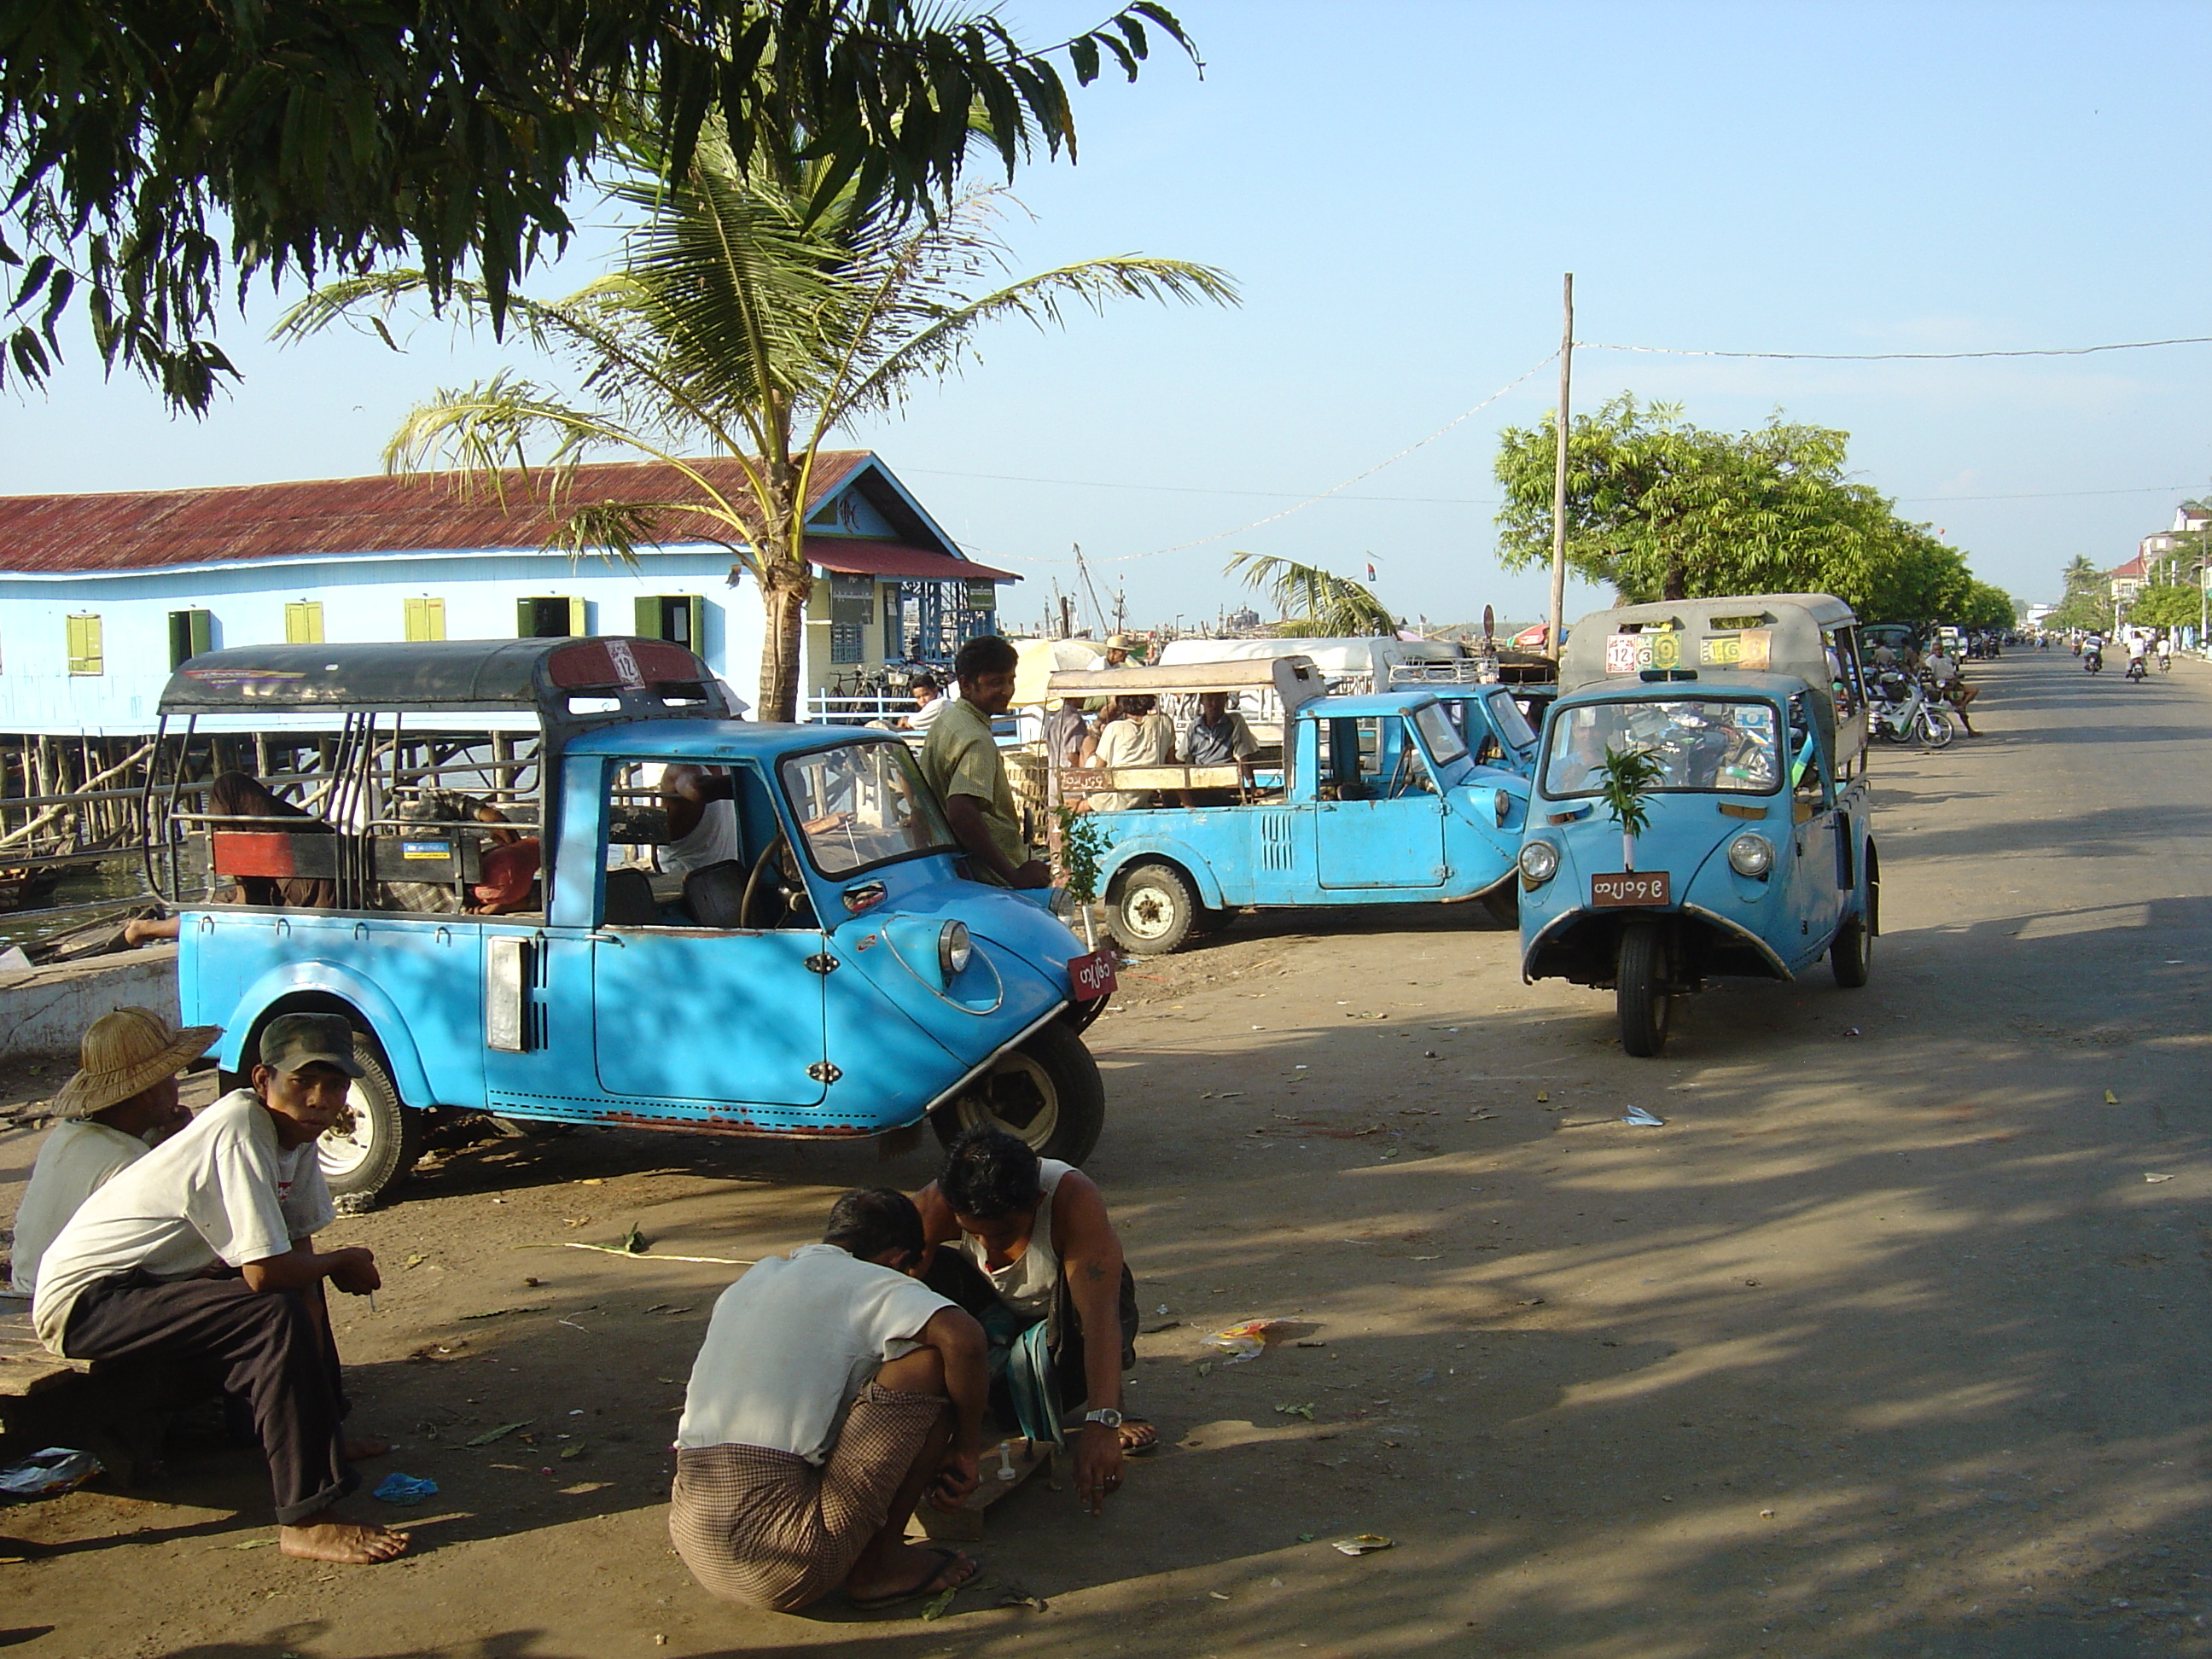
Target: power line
x=1898, y=357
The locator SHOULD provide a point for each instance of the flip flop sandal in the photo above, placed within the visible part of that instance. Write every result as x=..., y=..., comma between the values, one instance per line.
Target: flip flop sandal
x=929, y=1586
x=1151, y=1445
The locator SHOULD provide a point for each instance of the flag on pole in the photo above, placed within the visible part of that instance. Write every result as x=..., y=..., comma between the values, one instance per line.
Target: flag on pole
x=1371, y=570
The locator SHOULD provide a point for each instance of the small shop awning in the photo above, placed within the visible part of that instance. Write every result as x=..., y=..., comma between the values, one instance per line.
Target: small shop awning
x=851, y=556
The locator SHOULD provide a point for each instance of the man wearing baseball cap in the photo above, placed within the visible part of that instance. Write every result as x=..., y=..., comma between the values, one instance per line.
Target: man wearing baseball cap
x=122, y=1101
x=203, y=1251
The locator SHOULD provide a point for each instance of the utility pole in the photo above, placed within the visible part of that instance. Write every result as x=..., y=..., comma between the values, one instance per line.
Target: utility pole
x=1559, y=472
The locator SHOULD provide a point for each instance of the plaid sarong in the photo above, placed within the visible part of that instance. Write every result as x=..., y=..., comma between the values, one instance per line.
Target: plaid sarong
x=771, y=1530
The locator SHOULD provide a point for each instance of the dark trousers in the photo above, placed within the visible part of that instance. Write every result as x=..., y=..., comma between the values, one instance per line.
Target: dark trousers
x=957, y=1278
x=267, y=1347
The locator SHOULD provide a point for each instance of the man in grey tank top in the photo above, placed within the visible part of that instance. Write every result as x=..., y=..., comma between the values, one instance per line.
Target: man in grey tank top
x=1026, y=1246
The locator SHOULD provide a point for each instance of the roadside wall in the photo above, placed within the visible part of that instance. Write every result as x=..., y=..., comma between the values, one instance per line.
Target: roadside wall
x=44, y=1011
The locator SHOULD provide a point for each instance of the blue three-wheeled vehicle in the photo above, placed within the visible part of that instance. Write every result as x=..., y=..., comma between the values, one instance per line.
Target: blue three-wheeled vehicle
x=1757, y=856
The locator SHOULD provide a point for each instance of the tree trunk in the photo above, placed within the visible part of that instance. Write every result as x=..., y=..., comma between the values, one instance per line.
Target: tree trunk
x=785, y=601
x=1677, y=583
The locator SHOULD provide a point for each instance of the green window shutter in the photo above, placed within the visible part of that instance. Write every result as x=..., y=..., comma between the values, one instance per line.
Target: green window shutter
x=85, y=652
x=191, y=632
x=524, y=620
x=646, y=610
x=576, y=628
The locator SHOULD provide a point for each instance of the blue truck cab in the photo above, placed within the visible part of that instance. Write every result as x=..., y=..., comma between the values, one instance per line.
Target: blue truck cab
x=817, y=967
x=1758, y=855
x=1369, y=800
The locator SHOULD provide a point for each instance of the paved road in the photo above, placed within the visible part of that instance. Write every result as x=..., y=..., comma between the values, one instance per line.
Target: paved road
x=1887, y=1344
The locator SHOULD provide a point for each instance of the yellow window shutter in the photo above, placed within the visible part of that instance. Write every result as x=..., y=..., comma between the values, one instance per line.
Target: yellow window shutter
x=85, y=653
x=303, y=622
x=576, y=628
x=426, y=619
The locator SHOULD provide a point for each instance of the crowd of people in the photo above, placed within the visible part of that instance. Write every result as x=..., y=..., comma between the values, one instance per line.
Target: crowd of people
x=837, y=1387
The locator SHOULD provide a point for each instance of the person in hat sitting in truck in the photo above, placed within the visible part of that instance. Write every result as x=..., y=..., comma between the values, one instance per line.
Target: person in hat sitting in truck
x=203, y=1252
x=121, y=1103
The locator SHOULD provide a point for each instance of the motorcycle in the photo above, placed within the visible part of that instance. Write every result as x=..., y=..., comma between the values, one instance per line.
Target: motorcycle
x=2093, y=662
x=2165, y=662
x=2137, y=671
x=1901, y=709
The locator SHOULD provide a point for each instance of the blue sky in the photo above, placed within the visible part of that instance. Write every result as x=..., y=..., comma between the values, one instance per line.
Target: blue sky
x=1398, y=188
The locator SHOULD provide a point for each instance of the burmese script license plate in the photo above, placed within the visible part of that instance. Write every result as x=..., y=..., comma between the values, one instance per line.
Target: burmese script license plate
x=1629, y=887
x=1091, y=976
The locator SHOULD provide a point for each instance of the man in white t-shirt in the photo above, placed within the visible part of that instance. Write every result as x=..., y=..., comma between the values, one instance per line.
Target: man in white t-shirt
x=122, y=1101
x=145, y=1270
x=833, y=1391
x=702, y=817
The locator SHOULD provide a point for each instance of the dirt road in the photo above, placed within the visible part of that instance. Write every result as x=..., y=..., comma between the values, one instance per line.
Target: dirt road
x=1892, y=1340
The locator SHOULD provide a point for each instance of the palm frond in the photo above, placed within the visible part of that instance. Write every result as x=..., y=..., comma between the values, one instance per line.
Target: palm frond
x=1318, y=602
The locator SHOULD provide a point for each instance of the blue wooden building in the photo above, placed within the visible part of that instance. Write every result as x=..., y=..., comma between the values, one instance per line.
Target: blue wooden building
x=100, y=596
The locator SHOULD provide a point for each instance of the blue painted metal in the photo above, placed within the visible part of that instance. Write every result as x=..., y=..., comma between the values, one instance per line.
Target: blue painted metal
x=1775, y=926
x=846, y=1029
x=1427, y=829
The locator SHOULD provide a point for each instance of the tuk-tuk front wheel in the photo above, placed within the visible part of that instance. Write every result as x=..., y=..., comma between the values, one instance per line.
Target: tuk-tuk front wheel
x=1640, y=986
x=378, y=1139
x=1154, y=912
x=1047, y=1092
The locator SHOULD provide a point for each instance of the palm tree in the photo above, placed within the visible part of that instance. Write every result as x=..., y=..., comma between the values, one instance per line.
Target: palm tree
x=2083, y=574
x=755, y=310
x=1313, y=601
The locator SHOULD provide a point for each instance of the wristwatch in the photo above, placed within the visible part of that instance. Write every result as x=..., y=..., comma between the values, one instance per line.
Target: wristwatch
x=1105, y=1414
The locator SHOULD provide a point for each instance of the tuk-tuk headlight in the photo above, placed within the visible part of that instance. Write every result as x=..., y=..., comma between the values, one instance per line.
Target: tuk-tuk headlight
x=1502, y=804
x=954, y=947
x=1751, y=854
x=1539, y=862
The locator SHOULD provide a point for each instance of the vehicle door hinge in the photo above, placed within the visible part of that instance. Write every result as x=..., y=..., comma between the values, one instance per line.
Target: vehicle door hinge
x=822, y=1072
x=821, y=962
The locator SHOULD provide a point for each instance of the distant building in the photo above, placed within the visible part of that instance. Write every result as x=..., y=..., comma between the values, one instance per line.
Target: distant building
x=101, y=596
x=2163, y=555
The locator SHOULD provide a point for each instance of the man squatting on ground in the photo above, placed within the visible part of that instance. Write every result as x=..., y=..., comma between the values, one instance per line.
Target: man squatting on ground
x=122, y=1103
x=832, y=1392
x=202, y=1252
x=1025, y=1244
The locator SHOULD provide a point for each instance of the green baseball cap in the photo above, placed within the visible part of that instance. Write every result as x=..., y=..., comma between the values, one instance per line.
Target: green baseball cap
x=294, y=1041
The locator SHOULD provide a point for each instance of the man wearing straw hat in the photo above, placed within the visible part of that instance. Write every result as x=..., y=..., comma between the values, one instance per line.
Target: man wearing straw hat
x=122, y=1101
x=203, y=1252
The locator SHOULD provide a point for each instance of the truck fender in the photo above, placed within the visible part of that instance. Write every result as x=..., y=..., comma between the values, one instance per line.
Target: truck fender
x=1162, y=850
x=361, y=995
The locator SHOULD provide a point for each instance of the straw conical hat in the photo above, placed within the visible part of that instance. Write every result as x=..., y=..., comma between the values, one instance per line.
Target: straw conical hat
x=124, y=1051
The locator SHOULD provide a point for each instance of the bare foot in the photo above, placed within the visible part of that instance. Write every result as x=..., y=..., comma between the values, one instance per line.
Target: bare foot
x=1137, y=1436
x=366, y=1447
x=323, y=1537
x=911, y=1570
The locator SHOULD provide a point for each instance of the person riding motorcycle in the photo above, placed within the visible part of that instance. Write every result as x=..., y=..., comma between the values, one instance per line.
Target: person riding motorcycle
x=2138, y=668
x=2092, y=654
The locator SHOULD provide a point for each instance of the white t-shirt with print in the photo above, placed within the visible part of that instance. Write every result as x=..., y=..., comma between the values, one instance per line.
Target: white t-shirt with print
x=221, y=1190
x=792, y=1343
x=79, y=1158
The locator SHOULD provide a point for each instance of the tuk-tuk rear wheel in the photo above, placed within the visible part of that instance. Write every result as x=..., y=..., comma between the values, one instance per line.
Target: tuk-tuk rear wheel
x=1154, y=912
x=1640, y=988
x=1851, y=954
x=1047, y=1092
x=1502, y=904
x=378, y=1139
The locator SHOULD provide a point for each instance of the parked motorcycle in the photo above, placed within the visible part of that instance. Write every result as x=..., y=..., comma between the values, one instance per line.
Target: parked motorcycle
x=1902, y=708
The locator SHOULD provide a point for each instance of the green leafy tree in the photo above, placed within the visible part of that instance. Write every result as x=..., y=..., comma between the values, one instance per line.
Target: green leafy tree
x=2171, y=605
x=750, y=318
x=1662, y=509
x=1313, y=603
x=156, y=152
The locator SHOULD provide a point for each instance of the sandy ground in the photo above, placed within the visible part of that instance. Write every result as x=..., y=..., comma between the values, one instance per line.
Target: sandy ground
x=1893, y=1342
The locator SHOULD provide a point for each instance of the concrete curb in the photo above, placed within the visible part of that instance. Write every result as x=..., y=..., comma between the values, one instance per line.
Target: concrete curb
x=44, y=1011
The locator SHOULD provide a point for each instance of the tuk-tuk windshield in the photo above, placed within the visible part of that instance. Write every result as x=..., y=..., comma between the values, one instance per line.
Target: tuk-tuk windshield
x=1512, y=725
x=1700, y=743
x=1445, y=744
x=863, y=803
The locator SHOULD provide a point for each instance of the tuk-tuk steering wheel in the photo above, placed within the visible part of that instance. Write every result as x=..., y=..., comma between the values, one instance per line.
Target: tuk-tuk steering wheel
x=758, y=877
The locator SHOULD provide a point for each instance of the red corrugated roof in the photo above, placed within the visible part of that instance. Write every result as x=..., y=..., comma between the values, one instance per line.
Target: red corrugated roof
x=149, y=530
x=853, y=556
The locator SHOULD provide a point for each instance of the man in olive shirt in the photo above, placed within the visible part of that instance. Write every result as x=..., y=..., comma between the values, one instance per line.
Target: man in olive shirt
x=961, y=760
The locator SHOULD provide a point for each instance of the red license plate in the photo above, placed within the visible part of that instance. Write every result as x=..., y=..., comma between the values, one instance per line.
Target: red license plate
x=1091, y=976
x=1630, y=887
